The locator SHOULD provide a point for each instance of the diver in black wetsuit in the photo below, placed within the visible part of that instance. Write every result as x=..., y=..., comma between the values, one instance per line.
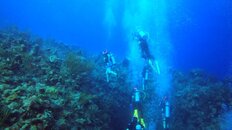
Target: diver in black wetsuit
x=145, y=52
x=142, y=39
x=150, y=63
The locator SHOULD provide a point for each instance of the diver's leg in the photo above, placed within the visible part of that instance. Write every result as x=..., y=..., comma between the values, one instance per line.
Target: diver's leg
x=151, y=64
x=107, y=74
x=112, y=72
x=143, y=84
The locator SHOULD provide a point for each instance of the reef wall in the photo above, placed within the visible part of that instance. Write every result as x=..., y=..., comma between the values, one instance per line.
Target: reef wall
x=46, y=84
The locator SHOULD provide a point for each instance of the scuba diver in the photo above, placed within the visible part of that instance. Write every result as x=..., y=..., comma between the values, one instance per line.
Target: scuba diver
x=137, y=122
x=165, y=109
x=110, y=62
x=145, y=75
x=142, y=38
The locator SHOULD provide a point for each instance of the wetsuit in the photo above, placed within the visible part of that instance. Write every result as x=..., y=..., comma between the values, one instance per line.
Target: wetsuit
x=145, y=52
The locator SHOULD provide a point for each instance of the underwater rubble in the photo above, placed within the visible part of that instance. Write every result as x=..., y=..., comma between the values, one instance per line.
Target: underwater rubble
x=45, y=84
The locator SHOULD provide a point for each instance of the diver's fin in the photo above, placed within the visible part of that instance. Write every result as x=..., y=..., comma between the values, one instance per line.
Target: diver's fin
x=157, y=67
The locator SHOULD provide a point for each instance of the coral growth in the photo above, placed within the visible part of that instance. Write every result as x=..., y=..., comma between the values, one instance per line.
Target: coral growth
x=47, y=85
x=199, y=101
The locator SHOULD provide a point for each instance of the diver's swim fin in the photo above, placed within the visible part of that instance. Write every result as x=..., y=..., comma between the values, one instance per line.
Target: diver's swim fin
x=157, y=67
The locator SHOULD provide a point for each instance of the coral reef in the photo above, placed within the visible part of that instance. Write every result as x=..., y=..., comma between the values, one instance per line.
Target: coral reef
x=47, y=85
x=199, y=101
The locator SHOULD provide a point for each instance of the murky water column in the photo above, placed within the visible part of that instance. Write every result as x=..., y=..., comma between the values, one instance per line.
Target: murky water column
x=150, y=16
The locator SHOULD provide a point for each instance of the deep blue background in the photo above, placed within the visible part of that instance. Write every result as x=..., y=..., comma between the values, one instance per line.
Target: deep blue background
x=200, y=30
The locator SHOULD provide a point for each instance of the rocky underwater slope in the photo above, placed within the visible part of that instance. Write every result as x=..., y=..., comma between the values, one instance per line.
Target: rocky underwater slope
x=46, y=85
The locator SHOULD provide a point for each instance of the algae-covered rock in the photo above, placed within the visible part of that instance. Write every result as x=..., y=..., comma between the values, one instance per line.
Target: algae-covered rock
x=4, y=114
x=41, y=86
x=198, y=101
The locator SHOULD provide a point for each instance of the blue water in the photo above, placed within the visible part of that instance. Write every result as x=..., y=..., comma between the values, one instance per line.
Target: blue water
x=199, y=31
x=203, y=37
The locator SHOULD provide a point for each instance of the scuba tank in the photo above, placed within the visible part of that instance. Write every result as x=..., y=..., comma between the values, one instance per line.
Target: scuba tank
x=137, y=96
x=112, y=58
x=146, y=75
x=166, y=114
x=167, y=109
